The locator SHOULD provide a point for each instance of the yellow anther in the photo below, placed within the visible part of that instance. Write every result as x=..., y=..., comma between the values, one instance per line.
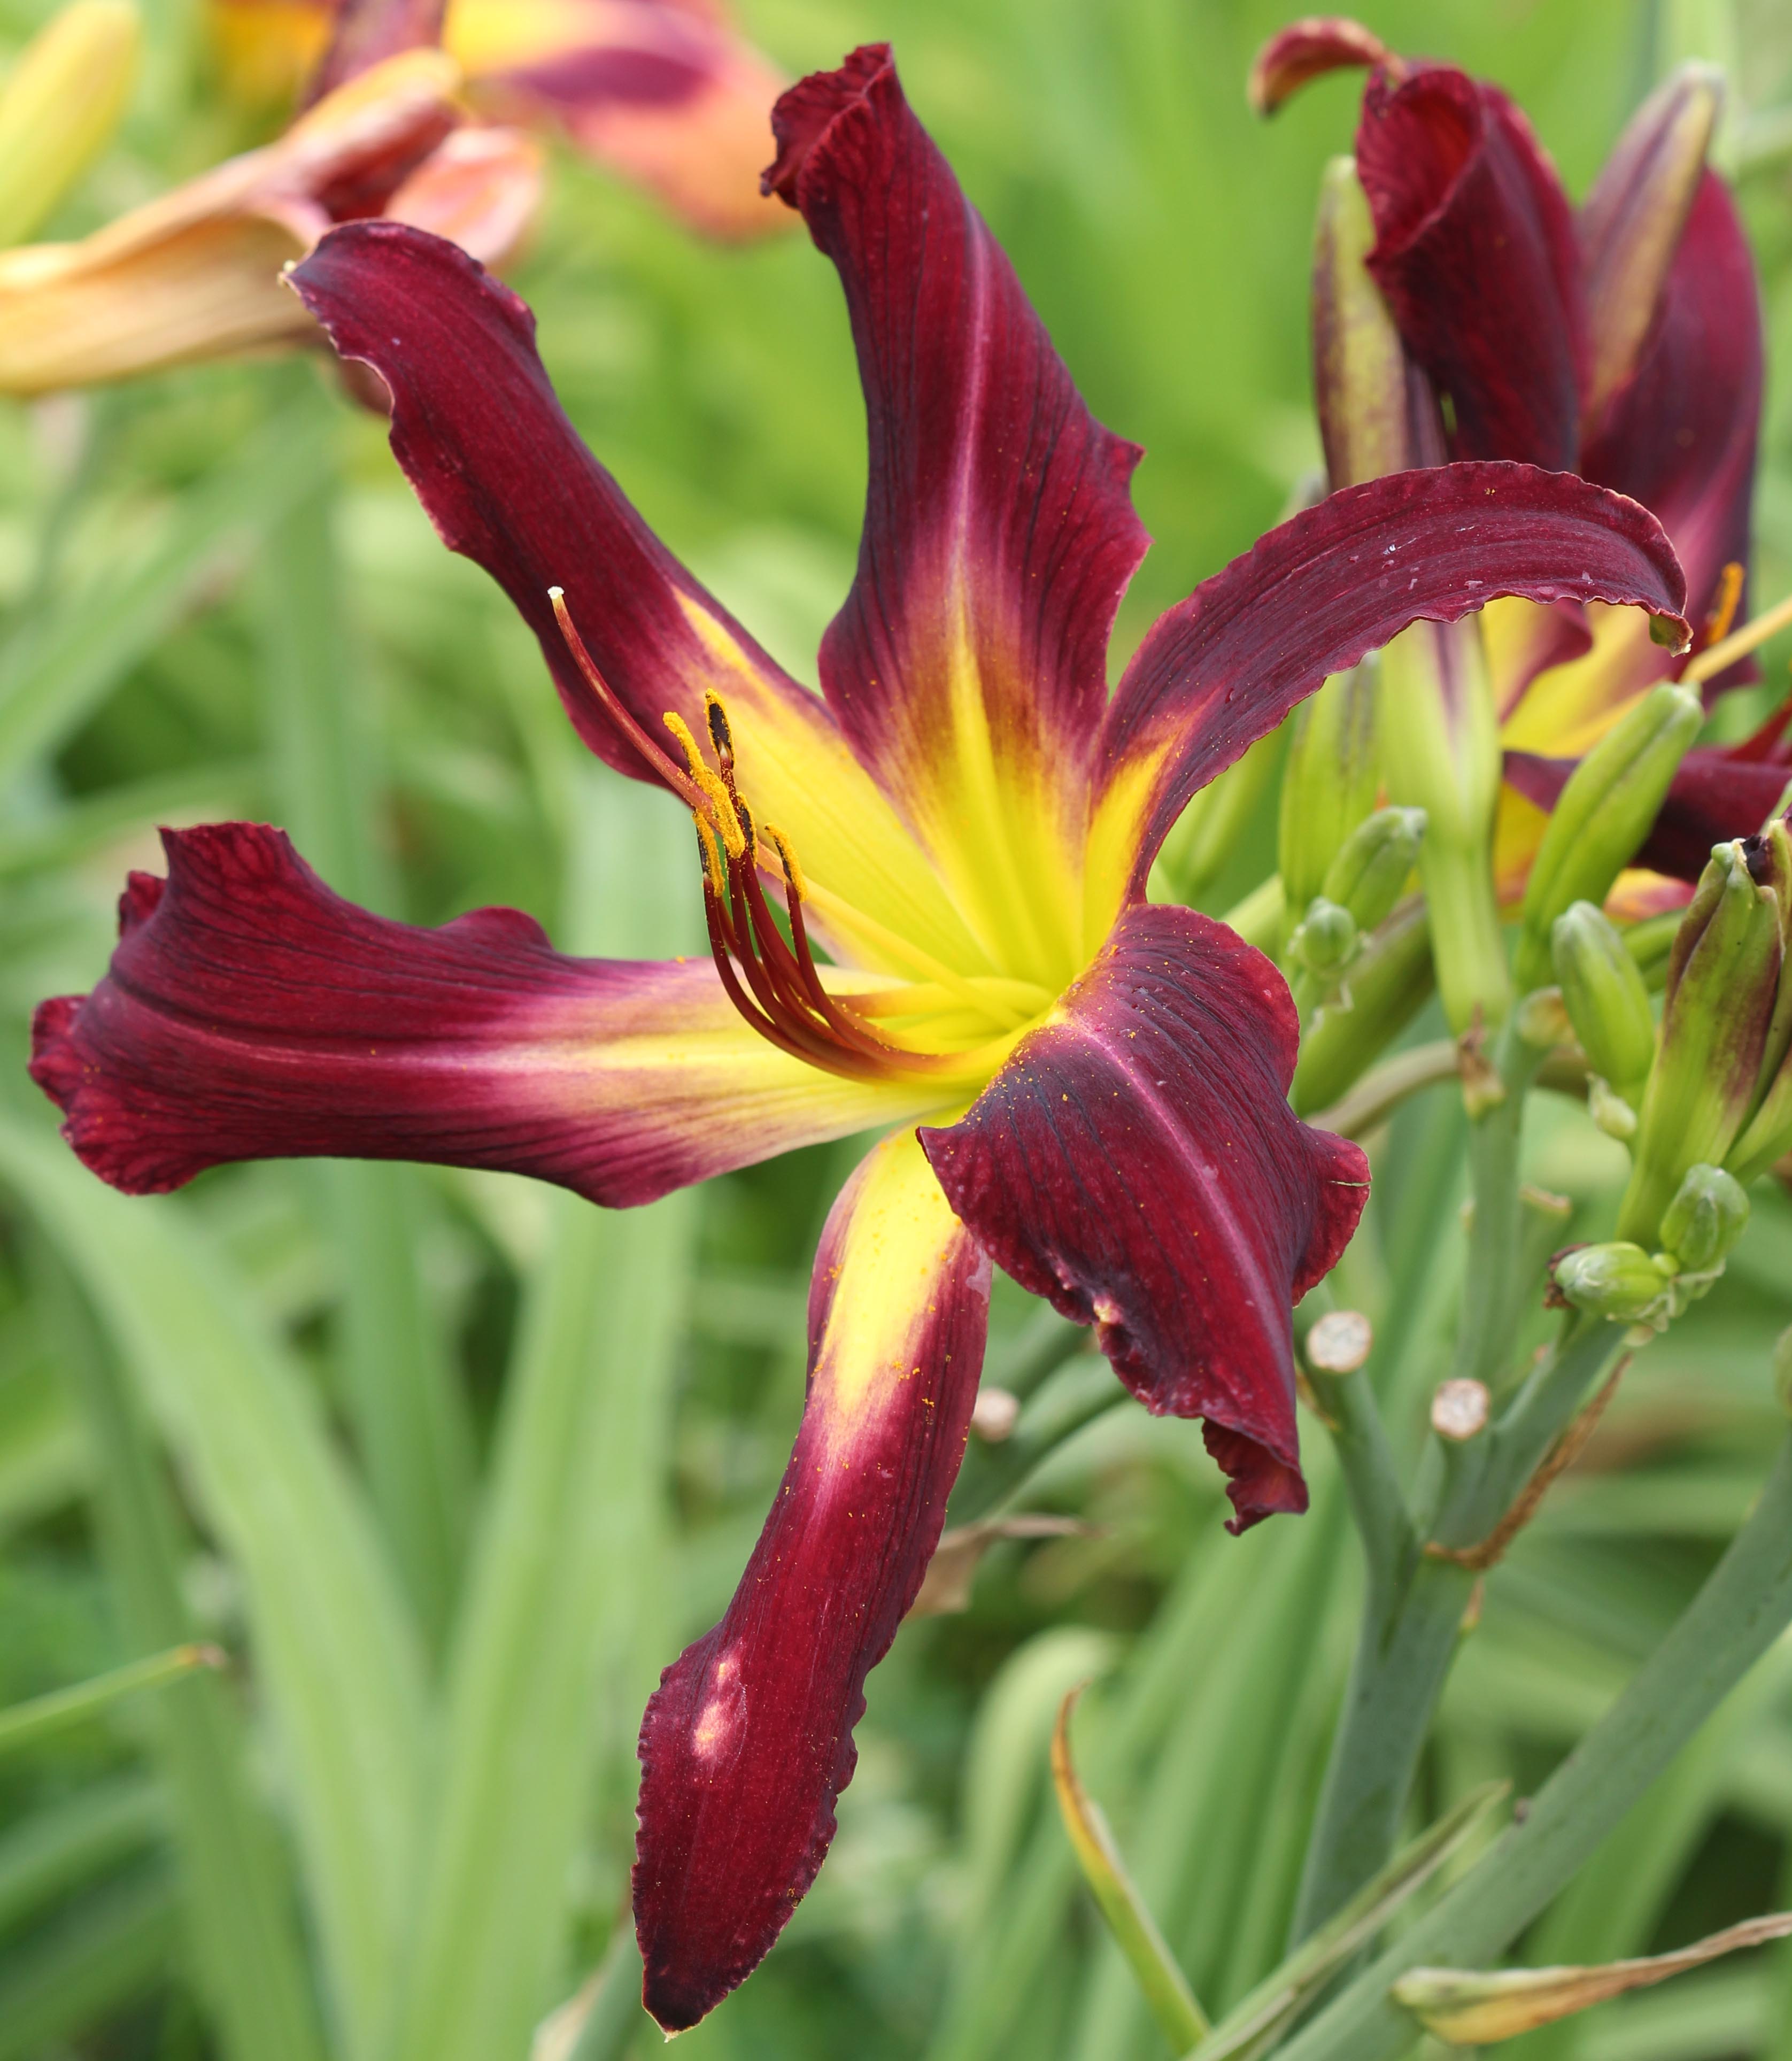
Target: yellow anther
x=721, y=735
x=713, y=869
x=1723, y=607
x=787, y=857
x=745, y=815
x=714, y=793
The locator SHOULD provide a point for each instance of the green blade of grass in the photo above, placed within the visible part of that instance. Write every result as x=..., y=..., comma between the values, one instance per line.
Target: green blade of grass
x=545, y=1665
x=114, y=1948
x=25, y=1724
x=409, y=1420
x=60, y=664
x=337, y=1652
x=1161, y=1983
x=57, y=1849
x=240, y=1926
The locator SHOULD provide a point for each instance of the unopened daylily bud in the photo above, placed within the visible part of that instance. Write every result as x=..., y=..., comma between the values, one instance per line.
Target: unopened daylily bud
x=1329, y=784
x=1325, y=940
x=1709, y=1213
x=1441, y=753
x=1618, y=1280
x=1603, y=815
x=1722, y=980
x=1630, y=226
x=1610, y=1110
x=59, y=105
x=1390, y=982
x=1376, y=413
x=1370, y=872
x=1606, y=1001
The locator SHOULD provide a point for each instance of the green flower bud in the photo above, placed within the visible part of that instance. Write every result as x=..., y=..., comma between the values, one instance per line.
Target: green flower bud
x=1618, y=1280
x=1606, y=1001
x=1390, y=981
x=1723, y=977
x=1441, y=753
x=61, y=101
x=1603, y=815
x=1361, y=378
x=1709, y=1213
x=1205, y=836
x=1370, y=872
x=1328, y=783
x=1327, y=940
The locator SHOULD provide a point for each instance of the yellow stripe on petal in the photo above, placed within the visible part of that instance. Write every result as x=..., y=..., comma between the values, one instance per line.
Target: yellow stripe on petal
x=795, y=770
x=898, y=1245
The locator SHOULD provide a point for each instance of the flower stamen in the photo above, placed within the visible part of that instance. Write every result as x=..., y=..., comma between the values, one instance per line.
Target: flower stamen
x=1715, y=657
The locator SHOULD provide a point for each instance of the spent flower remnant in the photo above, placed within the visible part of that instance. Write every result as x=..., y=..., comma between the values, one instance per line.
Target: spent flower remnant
x=664, y=91
x=963, y=821
x=1621, y=340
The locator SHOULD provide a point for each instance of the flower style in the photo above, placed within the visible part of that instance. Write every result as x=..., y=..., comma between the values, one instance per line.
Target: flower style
x=1621, y=341
x=664, y=91
x=1081, y=1087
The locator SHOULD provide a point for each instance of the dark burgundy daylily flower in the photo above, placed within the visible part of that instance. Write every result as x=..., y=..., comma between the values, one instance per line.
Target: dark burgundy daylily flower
x=1621, y=341
x=965, y=819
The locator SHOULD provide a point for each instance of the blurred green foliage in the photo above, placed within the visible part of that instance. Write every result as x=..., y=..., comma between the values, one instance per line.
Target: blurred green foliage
x=452, y=1466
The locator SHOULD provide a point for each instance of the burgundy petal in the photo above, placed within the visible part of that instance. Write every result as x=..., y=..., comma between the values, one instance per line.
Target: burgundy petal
x=1631, y=225
x=1714, y=796
x=1223, y=668
x=250, y=1014
x=748, y=1739
x=506, y=481
x=1680, y=436
x=1475, y=250
x=1136, y=1161
x=970, y=657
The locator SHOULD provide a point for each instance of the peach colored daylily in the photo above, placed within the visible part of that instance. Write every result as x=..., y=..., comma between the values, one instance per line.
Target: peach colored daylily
x=195, y=274
x=663, y=91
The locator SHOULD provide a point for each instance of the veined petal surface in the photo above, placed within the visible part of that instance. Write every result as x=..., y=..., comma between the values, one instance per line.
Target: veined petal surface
x=1475, y=250
x=748, y=1739
x=969, y=665
x=1681, y=435
x=1137, y=1163
x=1223, y=668
x=508, y=483
x=251, y=1013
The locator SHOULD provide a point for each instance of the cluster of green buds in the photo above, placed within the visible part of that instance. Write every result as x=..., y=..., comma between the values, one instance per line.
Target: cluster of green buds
x=1366, y=877
x=1624, y=1281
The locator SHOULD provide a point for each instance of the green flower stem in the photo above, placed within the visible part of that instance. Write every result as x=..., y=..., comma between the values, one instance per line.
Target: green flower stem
x=1466, y=944
x=1743, y=1608
x=1404, y=1650
x=1372, y=1482
x=1413, y=1606
x=1492, y=1295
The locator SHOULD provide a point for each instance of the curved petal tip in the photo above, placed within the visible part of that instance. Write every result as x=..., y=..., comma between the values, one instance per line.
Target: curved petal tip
x=1307, y=50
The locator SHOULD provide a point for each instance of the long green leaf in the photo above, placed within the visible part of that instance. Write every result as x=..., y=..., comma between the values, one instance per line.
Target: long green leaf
x=60, y=665
x=409, y=1419
x=68, y=1982
x=1252, y=2026
x=337, y=1651
x=1162, y=1984
x=546, y=1664
x=240, y=1925
x=59, y=1848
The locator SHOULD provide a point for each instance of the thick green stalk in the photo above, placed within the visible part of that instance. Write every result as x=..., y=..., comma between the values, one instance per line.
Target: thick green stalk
x=1413, y=1606
x=1743, y=1608
x=409, y=1422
